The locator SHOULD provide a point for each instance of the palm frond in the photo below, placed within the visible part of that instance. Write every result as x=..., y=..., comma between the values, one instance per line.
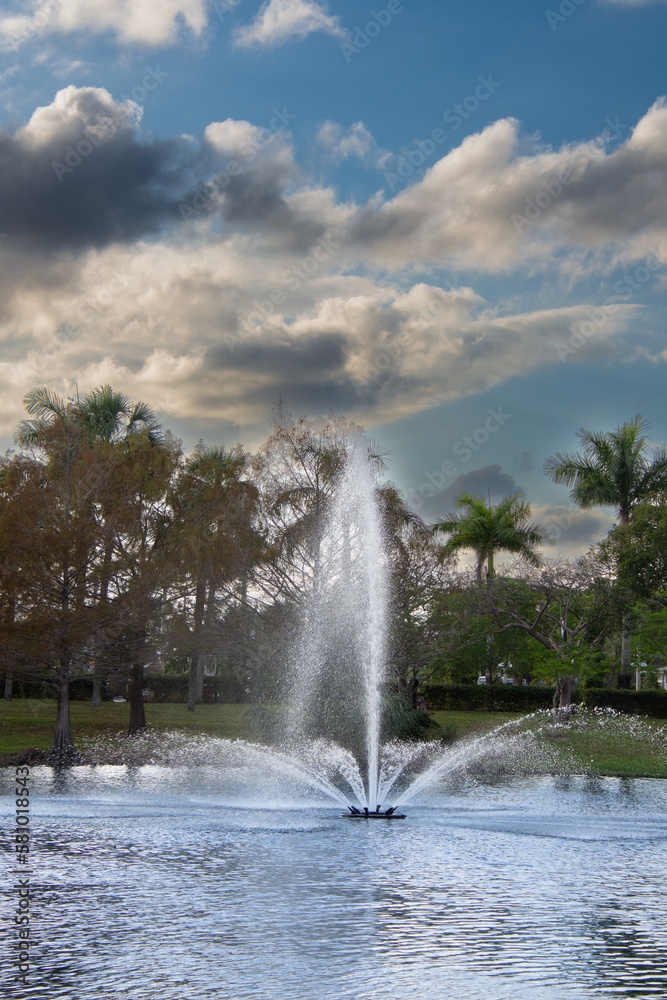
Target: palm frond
x=43, y=403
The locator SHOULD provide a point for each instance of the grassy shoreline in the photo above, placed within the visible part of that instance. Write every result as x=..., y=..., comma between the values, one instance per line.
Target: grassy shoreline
x=617, y=751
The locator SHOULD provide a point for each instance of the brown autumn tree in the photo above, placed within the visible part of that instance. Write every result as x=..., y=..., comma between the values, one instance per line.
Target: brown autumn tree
x=54, y=495
x=139, y=560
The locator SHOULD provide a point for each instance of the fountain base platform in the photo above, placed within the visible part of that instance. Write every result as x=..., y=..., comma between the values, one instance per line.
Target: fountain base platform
x=375, y=814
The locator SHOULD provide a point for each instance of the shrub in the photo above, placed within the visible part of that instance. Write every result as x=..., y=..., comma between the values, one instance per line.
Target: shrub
x=487, y=697
x=652, y=703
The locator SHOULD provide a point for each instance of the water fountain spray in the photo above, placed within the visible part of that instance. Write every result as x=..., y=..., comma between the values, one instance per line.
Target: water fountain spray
x=340, y=661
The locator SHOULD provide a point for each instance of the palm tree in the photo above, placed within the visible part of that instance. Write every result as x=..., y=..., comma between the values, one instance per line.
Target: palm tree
x=613, y=470
x=105, y=415
x=487, y=530
x=112, y=416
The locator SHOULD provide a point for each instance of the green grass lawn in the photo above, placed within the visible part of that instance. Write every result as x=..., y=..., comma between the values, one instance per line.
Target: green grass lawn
x=627, y=747
x=27, y=722
x=453, y=725
x=631, y=747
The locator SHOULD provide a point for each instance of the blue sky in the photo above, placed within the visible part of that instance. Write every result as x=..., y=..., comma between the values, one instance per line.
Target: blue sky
x=446, y=220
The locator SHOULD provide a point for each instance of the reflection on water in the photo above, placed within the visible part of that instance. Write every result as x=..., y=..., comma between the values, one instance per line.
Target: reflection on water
x=157, y=882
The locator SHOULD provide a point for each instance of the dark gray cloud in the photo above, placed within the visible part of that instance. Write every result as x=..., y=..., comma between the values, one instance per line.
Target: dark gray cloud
x=479, y=482
x=318, y=357
x=433, y=501
x=78, y=175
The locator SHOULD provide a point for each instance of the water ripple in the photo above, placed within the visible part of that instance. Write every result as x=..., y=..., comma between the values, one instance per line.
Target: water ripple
x=517, y=889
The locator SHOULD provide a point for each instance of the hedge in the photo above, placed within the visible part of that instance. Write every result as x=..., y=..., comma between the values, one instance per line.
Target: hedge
x=174, y=688
x=165, y=688
x=652, y=703
x=517, y=698
x=487, y=697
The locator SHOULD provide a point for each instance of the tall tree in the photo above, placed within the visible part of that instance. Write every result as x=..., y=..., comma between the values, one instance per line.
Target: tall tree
x=565, y=607
x=58, y=531
x=614, y=469
x=103, y=416
x=137, y=528
x=488, y=530
x=213, y=504
x=296, y=472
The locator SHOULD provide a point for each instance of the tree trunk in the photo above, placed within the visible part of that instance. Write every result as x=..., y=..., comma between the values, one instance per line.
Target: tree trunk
x=136, y=685
x=199, y=693
x=562, y=700
x=207, y=622
x=96, y=700
x=626, y=655
x=490, y=665
x=136, y=698
x=192, y=680
x=62, y=749
x=11, y=660
x=200, y=601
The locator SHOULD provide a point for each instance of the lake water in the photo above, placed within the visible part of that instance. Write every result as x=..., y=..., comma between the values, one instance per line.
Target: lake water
x=158, y=882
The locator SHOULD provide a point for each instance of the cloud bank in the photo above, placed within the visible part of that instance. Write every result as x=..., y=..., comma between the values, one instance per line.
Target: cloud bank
x=211, y=275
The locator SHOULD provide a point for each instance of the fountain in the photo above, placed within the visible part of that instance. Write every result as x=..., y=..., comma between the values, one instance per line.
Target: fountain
x=183, y=864
x=339, y=664
x=338, y=674
x=330, y=738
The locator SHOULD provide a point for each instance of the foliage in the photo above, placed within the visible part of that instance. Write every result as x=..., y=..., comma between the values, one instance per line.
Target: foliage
x=118, y=553
x=613, y=470
x=488, y=530
x=651, y=703
x=487, y=697
x=639, y=550
x=225, y=688
x=589, y=665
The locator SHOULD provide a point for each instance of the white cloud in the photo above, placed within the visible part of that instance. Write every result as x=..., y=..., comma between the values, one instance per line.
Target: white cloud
x=168, y=318
x=279, y=21
x=171, y=324
x=357, y=141
x=73, y=107
x=489, y=206
x=145, y=22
